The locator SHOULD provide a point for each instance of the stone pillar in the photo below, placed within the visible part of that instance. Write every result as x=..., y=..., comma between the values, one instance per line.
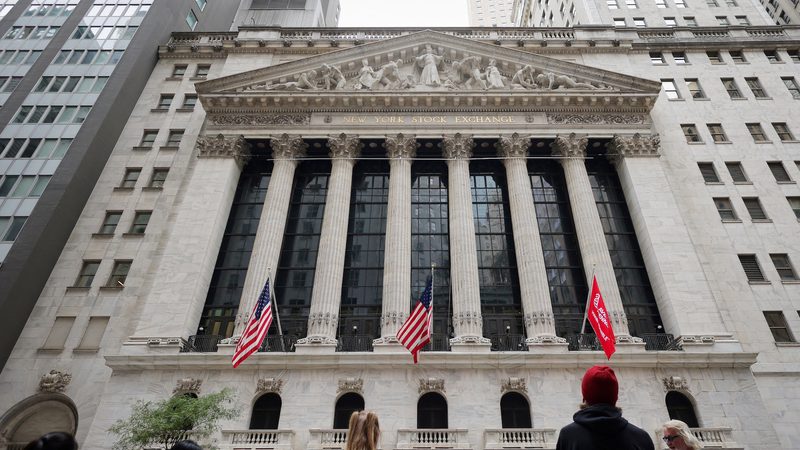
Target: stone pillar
x=326, y=295
x=685, y=300
x=397, y=251
x=272, y=224
x=464, y=281
x=534, y=288
x=180, y=278
x=594, y=250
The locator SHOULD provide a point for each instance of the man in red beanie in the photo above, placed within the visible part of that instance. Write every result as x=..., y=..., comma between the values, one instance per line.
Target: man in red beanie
x=599, y=424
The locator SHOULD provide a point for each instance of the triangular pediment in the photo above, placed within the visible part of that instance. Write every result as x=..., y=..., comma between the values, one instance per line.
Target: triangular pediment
x=426, y=68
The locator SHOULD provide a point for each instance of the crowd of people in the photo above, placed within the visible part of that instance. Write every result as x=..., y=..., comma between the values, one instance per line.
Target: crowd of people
x=598, y=425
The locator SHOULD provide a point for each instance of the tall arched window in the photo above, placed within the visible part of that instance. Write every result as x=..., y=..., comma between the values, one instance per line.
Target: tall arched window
x=515, y=411
x=345, y=406
x=266, y=412
x=681, y=408
x=432, y=411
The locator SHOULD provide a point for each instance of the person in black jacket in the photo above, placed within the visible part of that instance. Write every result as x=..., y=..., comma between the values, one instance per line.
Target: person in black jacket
x=599, y=424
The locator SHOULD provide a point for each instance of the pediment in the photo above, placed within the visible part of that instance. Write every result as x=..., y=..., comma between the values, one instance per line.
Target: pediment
x=427, y=69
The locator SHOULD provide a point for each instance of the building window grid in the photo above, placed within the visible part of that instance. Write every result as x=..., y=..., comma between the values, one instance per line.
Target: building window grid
x=737, y=55
x=754, y=84
x=691, y=133
x=130, y=177
x=794, y=203
x=670, y=89
x=779, y=172
x=119, y=273
x=754, y=208
x=158, y=178
x=725, y=209
x=714, y=57
x=717, y=133
x=752, y=269
x=110, y=222
x=148, y=138
x=174, y=138
x=783, y=131
x=791, y=85
x=778, y=326
x=694, y=88
x=657, y=58
x=732, y=88
x=140, y=221
x=690, y=21
x=737, y=172
x=783, y=265
x=189, y=101
x=87, y=274
x=757, y=133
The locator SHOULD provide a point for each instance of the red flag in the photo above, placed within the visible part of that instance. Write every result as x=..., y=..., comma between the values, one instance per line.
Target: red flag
x=256, y=329
x=600, y=320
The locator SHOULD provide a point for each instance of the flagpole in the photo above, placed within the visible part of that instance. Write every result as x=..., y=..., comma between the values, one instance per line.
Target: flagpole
x=275, y=308
x=588, y=298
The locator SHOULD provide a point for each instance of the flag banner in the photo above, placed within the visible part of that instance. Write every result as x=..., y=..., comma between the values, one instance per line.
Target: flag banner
x=416, y=331
x=256, y=329
x=600, y=320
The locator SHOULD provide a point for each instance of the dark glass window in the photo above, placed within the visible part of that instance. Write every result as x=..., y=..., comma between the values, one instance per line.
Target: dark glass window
x=562, y=255
x=345, y=407
x=225, y=291
x=680, y=407
x=432, y=411
x=501, y=305
x=430, y=244
x=515, y=411
x=266, y=412
x=634, y=284
x=362, y=288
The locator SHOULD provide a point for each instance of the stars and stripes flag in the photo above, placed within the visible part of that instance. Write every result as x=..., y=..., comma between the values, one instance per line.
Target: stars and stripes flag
x=416, y=331
x=256, y=329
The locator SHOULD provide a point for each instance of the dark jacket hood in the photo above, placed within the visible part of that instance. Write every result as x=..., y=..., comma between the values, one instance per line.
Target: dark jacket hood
x=601, y=419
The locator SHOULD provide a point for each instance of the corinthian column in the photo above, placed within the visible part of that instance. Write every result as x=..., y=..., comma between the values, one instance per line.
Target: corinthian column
x=267, y=247
x=464, y=281
x=571, y=151
x=534, y=288
x=397, y=253
x=326, y=295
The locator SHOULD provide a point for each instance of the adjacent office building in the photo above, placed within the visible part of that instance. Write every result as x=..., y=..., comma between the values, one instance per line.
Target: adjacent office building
x=345, y=166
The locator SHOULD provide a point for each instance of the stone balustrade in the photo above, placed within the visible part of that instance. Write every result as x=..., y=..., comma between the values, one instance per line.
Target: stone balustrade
x=432, y=439
x=256, y=439
x=523, y=438
x=326, y=439
x=716, y=437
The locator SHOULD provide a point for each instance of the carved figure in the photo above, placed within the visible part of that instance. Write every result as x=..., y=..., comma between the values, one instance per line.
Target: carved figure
x=468, y=73
x=390, y=77
x=549, y=80
x=429, y=64
x=332, y=77
x=366, y=76
x=306, y=80
x=525, y=77
x=54, y=381
x=494, y=79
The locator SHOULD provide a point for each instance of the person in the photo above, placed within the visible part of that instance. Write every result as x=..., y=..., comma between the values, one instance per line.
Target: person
x=677, y=436
x=363, y=432
x=429, y=63
x=599, y=424
x=493, y=77
x=57, y=440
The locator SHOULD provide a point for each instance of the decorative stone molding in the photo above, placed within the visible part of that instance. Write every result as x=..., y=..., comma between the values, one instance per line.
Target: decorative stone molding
x=597, y=119
x=322, y=319
x=697, y=340
x=265, y=385
x=350, y=385
x=536, y=318
x=636, y=145
x=514, y=385
x=513, y=146
x=344, y=146
x=159, y=341
x=468, y=318
x=317, y=340
x=628, y=339
x=385, y=340
x=545, y=339
x=469, y=340
x=675, y=384
x=431, y=385
x=221, y=146
x=187, y=386
x=401, y=146
x=260, y=119
x=393, y=317
x=572, y=146
x=54, y=381
x=288, y=147
x=458, y=146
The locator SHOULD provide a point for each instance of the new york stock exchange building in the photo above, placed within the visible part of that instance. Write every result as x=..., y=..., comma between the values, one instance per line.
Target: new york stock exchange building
x=345, y=164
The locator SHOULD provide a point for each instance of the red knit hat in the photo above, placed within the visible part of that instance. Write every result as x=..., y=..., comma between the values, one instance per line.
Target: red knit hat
x=600, y=386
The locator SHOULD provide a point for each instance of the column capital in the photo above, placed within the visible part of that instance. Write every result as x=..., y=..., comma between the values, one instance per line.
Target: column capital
x=221, y=146
x=637, y=145
x=513, y=146
x=288, y=146
x=401, y=146
x=344, y=146
x=457, y=146
x=571, y=146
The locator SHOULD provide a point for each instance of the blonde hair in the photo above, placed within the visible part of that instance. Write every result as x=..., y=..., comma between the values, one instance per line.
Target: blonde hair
x=363, y=432
x=684, y=432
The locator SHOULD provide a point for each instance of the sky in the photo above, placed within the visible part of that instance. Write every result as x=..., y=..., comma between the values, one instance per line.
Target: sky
x=403, y=13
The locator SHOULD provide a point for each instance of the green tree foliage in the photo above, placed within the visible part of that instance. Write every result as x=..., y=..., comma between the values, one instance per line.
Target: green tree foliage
x=165, y=422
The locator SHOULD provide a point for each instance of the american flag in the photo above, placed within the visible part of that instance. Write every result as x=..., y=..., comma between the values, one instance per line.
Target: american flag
x=416, y=331
x=256, y=329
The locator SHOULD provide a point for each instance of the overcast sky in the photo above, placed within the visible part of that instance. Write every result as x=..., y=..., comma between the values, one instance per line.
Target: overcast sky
x=403, y=13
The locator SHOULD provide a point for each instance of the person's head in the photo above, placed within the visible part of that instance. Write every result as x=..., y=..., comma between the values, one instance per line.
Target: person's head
x=363, y=432
x=58, y=440
x=186, y=444
x=599, y=386
x=677, y=436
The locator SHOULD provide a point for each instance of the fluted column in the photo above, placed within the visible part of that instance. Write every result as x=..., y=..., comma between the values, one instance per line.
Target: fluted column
x=534, y=288
x=464, y=281
x=326, y=295
x=594, y=249
x=267, y=245
x=183, y=273
x=401, y=150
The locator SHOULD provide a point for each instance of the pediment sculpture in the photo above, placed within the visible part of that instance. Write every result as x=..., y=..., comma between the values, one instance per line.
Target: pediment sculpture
x=426, y=71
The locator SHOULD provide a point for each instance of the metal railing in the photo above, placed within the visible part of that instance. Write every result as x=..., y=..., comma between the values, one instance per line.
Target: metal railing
x=652, y=342
x=355, y=343
x=582, y=342
x=274, y=343
x=201, y=343
x=508, y=343
x=439, y=343
x=519, y=438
